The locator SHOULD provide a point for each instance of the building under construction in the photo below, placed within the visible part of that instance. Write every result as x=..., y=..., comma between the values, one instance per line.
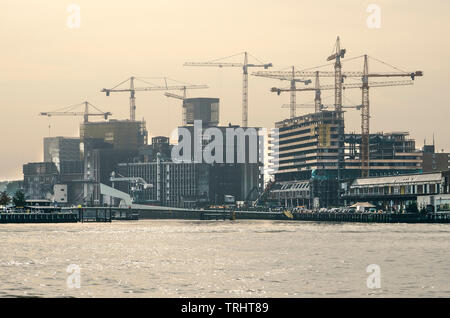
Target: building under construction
x=121, y=134
x=306, y=157
x=312, y=153
x=390, y=154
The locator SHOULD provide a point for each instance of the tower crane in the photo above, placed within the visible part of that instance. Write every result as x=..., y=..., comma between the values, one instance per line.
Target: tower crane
x=245, y=66
x=69, y=111
x=365, y=111
x=293, y=82
x=365, y=116
x=133, y=89
x=293, y=90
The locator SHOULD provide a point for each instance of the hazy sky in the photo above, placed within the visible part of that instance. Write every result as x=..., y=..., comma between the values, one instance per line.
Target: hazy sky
x=45, y=65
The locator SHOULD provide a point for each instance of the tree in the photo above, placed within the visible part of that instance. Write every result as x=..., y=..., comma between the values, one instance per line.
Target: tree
x=19, y=199
x=4, y=199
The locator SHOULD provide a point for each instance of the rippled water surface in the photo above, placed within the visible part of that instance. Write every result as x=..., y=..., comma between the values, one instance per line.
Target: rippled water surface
x=174, y=258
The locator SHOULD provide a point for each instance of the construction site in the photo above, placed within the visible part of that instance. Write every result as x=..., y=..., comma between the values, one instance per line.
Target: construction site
x=312, y=157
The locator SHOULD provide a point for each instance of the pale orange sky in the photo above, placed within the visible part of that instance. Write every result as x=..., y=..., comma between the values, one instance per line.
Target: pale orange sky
x=45, y=65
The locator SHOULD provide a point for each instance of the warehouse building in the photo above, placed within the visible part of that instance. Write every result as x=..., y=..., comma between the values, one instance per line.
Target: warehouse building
x=173, y=184
x=397, y=192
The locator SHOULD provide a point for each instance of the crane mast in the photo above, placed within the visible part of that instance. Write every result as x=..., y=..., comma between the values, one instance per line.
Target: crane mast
x=339, y=53
x=317, y=97
x=293, y=94
x=132, y=100
x=245, y=92
x=365, y=118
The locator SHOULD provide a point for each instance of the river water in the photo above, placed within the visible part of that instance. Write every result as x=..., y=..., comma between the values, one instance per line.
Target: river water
x=172, y=258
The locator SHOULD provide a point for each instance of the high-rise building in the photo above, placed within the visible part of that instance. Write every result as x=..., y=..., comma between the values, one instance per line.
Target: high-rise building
x=307, y=159
x=306, y=145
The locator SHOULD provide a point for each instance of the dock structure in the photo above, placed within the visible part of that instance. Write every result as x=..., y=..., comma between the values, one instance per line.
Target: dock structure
x=108, y=214
x=93, y=214
x=373, y=217
x=213, y=214
x=38, y=217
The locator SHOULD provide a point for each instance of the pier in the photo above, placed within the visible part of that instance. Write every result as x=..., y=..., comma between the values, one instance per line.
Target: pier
x=108, y=214
x=372, y=217
x=93, y=214
x=38, y=217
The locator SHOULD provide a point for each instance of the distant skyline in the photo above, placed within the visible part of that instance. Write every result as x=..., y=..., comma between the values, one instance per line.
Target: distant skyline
x=46, y=65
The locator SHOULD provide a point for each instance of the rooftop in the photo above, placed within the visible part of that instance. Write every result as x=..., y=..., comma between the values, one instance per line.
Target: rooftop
x=401, y=179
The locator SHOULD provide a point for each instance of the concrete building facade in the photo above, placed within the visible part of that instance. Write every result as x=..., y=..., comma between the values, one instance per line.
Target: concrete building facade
x=58, y=149
x=204, y=109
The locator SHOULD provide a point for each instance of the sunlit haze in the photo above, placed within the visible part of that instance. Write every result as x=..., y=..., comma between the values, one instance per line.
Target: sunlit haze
x=45, y=65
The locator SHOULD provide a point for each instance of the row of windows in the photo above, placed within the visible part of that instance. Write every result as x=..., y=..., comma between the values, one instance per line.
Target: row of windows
x=399, y=190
